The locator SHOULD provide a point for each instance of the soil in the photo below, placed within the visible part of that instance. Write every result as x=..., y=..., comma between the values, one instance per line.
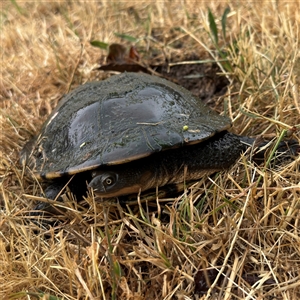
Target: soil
x=203, y=80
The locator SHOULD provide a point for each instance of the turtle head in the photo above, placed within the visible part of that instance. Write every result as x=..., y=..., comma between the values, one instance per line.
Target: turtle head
x=117, y=182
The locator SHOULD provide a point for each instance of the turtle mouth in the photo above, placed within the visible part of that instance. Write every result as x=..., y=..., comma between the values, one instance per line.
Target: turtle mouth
x=104, y=193
x=123, y=192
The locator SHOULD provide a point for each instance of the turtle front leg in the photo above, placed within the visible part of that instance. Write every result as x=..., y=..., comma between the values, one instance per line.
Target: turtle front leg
x=47, y=208
x=77, y=186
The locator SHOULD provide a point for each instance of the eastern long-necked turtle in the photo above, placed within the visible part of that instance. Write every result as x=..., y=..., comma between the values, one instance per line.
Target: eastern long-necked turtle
x=130, y=133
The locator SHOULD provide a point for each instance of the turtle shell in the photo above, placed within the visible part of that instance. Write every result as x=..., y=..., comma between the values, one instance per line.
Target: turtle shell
x=117, y=120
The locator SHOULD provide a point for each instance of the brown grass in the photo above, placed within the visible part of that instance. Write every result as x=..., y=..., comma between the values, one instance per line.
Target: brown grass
x=227, y=222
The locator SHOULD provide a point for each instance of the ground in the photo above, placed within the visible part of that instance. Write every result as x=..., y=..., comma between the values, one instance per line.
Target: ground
x=239, y=228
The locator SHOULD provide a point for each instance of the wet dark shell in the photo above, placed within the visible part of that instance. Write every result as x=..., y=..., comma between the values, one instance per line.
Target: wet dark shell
x=121, y=119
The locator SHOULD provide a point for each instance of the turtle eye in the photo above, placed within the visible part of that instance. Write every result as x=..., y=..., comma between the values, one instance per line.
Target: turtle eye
x=109, y=181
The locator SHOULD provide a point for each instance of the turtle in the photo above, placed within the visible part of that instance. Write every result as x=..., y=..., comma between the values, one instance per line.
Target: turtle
x=127, y=134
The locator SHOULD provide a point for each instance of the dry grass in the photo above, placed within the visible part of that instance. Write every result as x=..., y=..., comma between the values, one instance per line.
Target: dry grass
x=227, y=222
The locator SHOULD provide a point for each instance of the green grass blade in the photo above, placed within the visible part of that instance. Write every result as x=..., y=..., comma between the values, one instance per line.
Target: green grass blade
x=224, y=21
x=99, y=44
x=126, y=37
x=213, y=26
x=18, y=8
